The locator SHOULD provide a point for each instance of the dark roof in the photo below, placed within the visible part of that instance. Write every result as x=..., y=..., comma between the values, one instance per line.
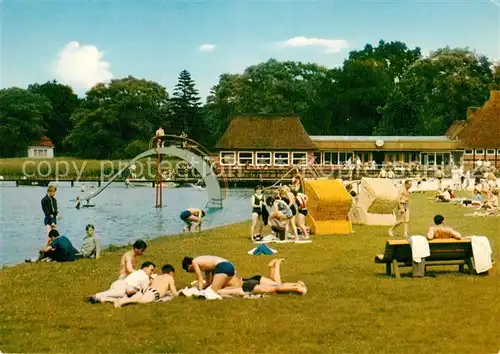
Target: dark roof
x=482, y=125
x=266, y=133
x=44, y=141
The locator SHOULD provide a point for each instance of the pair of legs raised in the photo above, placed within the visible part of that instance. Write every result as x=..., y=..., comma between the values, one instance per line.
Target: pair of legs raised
x=263, y=285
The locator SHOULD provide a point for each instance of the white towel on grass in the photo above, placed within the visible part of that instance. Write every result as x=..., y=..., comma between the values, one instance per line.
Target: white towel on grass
x=419, y=248
x=481, y=250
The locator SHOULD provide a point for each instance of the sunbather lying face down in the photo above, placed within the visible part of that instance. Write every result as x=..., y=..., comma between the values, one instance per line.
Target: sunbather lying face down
x=262, y=285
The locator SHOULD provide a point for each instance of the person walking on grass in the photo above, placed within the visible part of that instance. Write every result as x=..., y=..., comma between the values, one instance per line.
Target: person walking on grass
x=403, y=212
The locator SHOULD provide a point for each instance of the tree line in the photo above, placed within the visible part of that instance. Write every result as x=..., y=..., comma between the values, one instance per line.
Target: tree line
x=388, y=89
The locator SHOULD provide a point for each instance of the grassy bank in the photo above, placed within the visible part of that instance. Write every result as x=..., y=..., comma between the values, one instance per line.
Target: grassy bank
x=351, y=306
x=67, y=167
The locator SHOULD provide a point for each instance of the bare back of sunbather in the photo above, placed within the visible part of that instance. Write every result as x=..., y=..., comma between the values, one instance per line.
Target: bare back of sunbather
x=208, y=263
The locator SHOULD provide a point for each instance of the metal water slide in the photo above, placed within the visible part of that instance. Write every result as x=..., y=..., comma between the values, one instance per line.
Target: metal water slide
x=204, y=169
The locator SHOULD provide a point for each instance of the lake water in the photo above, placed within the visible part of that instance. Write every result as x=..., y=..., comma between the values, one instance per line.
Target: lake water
x=121, y=215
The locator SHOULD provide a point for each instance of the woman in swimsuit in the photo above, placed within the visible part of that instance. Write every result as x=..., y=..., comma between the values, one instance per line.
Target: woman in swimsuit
x=301, y=216
x=257, y=201
x=288, y=197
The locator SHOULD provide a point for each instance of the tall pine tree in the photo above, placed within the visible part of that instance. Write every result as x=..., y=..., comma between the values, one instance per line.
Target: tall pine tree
x=186, y=114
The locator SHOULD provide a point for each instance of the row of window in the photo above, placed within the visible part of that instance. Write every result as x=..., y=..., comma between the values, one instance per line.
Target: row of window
x=481, y=152
x=283, y=158
x=262, y=158
x=39, y=152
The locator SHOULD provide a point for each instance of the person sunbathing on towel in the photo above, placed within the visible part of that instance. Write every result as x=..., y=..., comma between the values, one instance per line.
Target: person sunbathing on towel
x=258, y=284
x=218, y=271
x=439, y=231
x=138, y=280
x=161, y=285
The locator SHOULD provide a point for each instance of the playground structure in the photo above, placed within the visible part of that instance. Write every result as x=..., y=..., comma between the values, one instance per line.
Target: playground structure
x=185, y=149
x=328, y=206
x=376, y=202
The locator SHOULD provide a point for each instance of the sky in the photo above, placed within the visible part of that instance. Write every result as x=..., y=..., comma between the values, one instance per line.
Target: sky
x=80, y=43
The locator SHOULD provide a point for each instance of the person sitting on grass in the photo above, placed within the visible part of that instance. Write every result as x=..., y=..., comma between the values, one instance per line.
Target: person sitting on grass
x=443, y=196
x=192, y=217
x=161, y=286
x=258, y=284
x=439, y=231
x=492, y=201
x=128, y=262
x=138, y=280
x=91, y=247
x=218, y=271
x=59, y=249
x=477, y=200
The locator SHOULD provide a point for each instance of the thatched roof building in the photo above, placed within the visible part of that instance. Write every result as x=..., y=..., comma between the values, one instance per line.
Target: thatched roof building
x=482, y=127
x=270, y=133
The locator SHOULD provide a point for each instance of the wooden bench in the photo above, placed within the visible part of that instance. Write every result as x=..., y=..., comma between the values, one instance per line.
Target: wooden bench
x=443, y=252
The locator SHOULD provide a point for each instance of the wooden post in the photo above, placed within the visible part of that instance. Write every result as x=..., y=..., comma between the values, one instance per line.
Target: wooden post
x=396, y=268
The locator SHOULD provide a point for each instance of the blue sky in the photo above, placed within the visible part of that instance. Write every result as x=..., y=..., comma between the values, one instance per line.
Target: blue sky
x=81, y=42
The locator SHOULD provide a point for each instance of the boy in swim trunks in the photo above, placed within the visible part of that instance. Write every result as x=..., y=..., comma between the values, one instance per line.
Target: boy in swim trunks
x=258, y=284
x=403, y=213
x=128, y=261
x=218, y=271
x=192, y=217
x=161, y=285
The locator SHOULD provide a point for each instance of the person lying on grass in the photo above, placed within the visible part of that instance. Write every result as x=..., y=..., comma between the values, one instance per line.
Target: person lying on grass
x=129, y=286
x=439, y=231
x=161, y=286
x=218, y=271
x=128, y=262
x=258, y=284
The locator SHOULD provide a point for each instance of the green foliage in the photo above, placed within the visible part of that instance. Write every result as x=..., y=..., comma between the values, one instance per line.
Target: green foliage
x=23, y=119
x=64, y=102
x=135, y=147
x=436, y=91
x=115, y=114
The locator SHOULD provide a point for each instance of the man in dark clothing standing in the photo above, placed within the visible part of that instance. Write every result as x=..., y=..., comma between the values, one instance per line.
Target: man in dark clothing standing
x=49, y=207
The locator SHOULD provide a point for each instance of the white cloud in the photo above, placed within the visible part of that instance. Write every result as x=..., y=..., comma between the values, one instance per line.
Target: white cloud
x=207, y=47
x=329, y=45
x=81, y=66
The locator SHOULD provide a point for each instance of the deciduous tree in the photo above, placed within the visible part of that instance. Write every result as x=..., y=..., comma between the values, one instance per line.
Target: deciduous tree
x=23, y=117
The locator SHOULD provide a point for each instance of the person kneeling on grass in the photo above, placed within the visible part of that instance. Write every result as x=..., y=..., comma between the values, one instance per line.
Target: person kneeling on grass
x=59, y=249
x=280, y=216
x=192, y=217
x=138, y=280
x=258, y=284
x=161, y=285
x=439, y=231
x=218, y=271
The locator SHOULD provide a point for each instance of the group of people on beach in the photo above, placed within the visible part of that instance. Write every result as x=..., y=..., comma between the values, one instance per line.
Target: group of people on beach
x=215, y=276
x=284, y=209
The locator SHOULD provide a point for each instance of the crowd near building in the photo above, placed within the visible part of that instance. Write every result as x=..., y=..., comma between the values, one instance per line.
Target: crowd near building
x=282, y=142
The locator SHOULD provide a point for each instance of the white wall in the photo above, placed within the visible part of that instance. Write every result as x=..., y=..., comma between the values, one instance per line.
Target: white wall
x=40, y=152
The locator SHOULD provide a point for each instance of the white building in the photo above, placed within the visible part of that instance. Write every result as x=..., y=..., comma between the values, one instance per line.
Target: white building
x=42, y=148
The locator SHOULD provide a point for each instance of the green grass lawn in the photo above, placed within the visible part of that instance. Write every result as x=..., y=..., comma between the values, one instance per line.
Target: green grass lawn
x=351, y=306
